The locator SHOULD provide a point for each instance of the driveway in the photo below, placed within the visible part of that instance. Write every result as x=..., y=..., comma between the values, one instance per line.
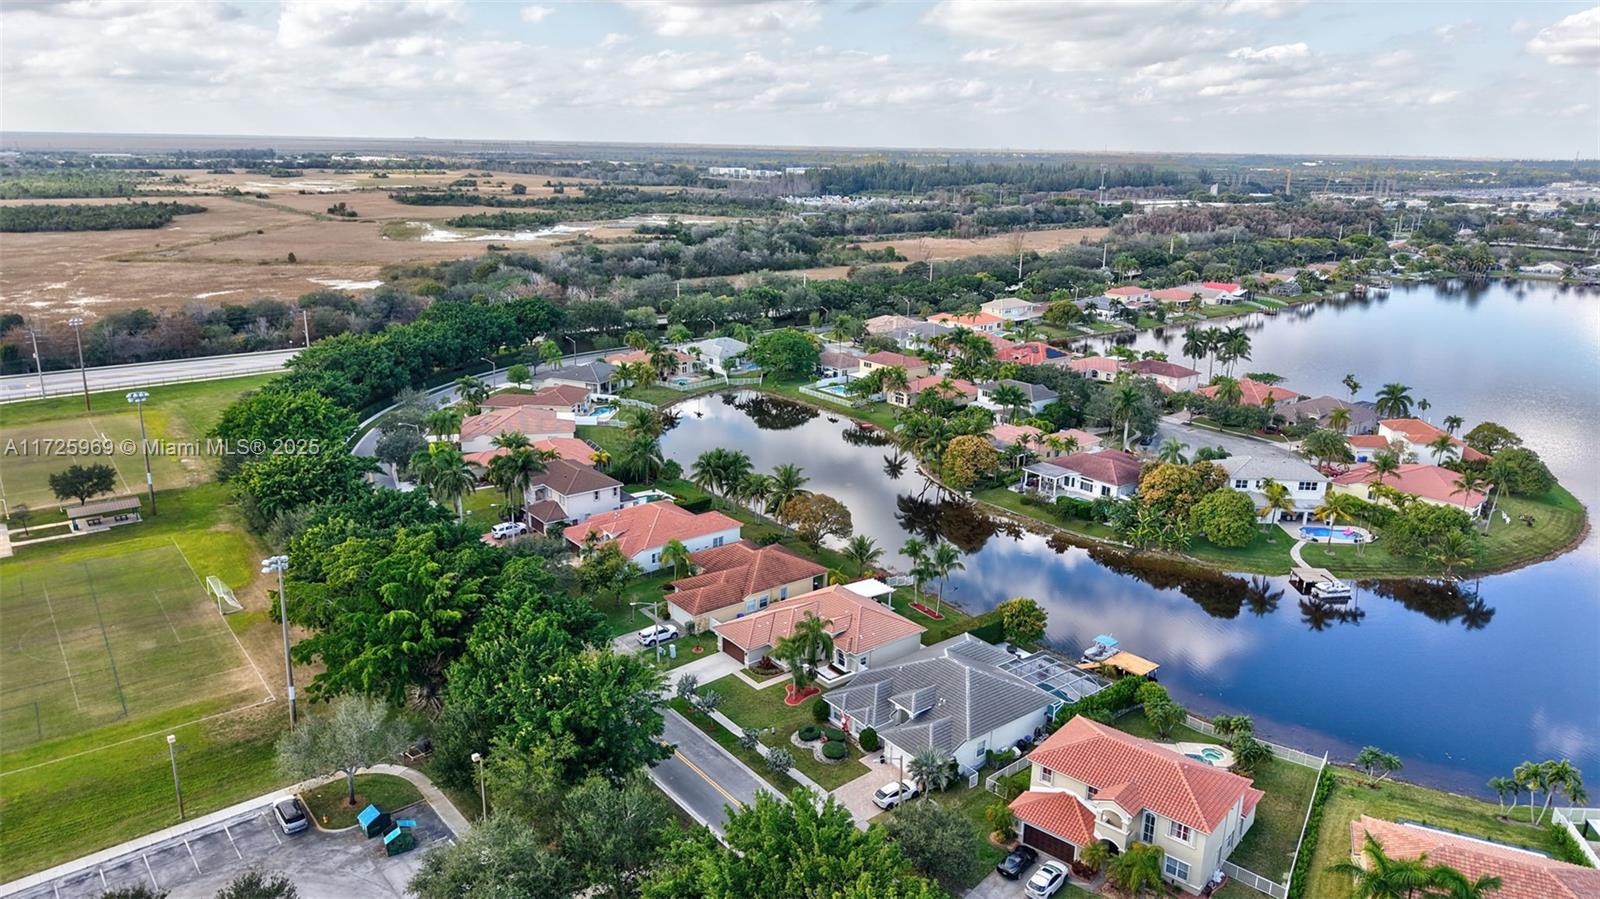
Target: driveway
x=198, y=862
x=857, y=794
x=701, y=777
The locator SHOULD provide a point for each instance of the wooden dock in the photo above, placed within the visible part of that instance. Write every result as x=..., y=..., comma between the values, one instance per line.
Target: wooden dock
x=1125, y=662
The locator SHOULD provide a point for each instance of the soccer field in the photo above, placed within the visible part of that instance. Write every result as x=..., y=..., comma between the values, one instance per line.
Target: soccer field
x=102, y=640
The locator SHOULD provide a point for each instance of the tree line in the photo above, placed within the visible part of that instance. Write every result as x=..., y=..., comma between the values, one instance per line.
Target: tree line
x=91, y=217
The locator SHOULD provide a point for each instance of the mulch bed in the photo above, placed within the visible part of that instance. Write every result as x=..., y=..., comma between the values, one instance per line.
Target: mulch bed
x=937, y=616
x=790, y=697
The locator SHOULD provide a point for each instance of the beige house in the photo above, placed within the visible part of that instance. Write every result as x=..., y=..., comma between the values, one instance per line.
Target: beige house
x=735, y=580
x=1094, y=783
x=913, y=366
x=865, y=633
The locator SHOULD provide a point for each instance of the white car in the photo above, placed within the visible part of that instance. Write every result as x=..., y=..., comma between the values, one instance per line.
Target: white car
x=506, y=529
x=893, y=793
x=1047, y=881
x=660, y=633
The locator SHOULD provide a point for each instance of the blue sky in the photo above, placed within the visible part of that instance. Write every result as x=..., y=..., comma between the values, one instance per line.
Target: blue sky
x=1456, y=79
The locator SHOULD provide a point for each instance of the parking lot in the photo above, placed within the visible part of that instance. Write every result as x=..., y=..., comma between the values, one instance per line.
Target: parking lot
x=198, y=863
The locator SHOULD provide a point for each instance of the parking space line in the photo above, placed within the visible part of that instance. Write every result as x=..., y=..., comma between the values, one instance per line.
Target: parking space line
x=232, y=843
x=102, y=873
x=154, y=884
x=55, y=887
x=191, y=856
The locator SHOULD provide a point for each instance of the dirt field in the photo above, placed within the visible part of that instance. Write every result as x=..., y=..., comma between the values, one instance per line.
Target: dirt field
x=917, y=249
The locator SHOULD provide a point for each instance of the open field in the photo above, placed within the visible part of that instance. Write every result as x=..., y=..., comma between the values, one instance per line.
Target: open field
x=104, y=639
x=919, y=249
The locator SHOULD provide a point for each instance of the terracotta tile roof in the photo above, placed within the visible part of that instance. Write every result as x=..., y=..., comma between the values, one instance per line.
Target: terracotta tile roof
x=1107, y=466
x=1144, y=774
x=1172, y=295
x=999, y=343
x=529, y=420
x=639, y=528
x=1096, y=363
x=570, y=448
x=1417, y=431
x=563, y=396
x=730, y=573
x=1127, y=290
x=1427, y=481
x=566, y=478
x=643, y=356
x=1162, y=368
x=1084, y=438
x=838, y=359
x=1034, y=352
x=971, y=321
x=1523, y=875
x=1255, y=393
x=858, y=624
x=1227, y=286
x=1059, y=813
x=1367, y=441
x=929, y=382
x=888, y=357
x=1011, y=435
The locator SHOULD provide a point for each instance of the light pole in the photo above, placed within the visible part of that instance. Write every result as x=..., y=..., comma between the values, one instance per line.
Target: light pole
x=172, y=754
x=138, y=398
x=38, y=366
x=483, y=795
x=77, y=336
x=574, y=341
x=281, y=564
x=305, y=321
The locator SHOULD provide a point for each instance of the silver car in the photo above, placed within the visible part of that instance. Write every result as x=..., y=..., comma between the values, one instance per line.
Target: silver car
x=291, y=815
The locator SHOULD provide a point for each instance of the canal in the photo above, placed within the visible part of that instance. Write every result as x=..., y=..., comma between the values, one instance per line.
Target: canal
x=1462, y=683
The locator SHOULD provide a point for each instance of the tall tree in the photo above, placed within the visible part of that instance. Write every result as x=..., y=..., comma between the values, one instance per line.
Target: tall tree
x=1394, y=401
x=500, y=857
x=356, y=733
x=945, y=561
x=939, y=840
x=615, y=832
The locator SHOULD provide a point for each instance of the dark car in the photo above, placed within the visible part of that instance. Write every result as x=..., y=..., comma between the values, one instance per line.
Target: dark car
x=291, y=815
x=1018, y=862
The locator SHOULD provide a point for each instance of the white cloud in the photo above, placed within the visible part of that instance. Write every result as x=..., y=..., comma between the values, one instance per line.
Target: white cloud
x=614, y=39
x=1573, y=41
x=711, y=18
x=356, y=23
x=535, y=14
x=1279, y=53
x=1455, y=31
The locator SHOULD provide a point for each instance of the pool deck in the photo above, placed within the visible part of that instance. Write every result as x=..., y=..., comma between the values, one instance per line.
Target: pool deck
x=1292, y=528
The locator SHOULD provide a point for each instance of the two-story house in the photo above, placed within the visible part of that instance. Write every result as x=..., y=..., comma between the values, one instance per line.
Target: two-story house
x=1419, y=436
x=567, y=491
x=739, y=579
x=913, y=366
x=955, y=389
x=1093, y=783
x=1250, y=475
x=1172, y=377
x=1037, y=395
x=1090, y=475
x=1013, y=310
x=478, y=432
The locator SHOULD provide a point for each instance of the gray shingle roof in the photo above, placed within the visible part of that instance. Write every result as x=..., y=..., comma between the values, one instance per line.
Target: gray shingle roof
x=595, y=372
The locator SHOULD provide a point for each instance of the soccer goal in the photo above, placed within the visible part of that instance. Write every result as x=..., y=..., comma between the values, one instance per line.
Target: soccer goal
x=226, y=603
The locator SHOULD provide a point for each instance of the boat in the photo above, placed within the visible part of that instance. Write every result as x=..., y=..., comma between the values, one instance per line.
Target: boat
x=1104, y=647
x=1331, y=590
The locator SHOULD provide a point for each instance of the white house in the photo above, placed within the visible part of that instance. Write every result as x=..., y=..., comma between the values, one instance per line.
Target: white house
x=1013, y=310
x=568, y=491
x=642, y=532
x=1544, y=268
x=1090, y=475
x=1092, y=783
x=720, y=355
x=1038, y=395
x=866, y=633
x=1417, y=436
x=1250, y=475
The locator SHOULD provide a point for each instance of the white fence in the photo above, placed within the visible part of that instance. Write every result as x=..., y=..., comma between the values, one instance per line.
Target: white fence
x=1255, y=881
x=1287, y=753
x=992, y=782
x=1572, y=819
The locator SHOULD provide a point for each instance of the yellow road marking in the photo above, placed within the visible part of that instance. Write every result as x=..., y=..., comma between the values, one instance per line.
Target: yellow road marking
x=703, y=776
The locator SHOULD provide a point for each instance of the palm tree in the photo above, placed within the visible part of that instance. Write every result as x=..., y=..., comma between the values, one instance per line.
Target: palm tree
x=1339, y=420
x=1384, y=462
x=674, y=553
x=445, y=474
x=1235, y=346
x=863, y=551
x=512, y=473
x=756, y=490
x=1278, y=500
x=638, y=458
x=1172, y=451
x=1453, y=550
x=1559, y=775
x=639, y=420
x=1453, y=423
x=1386, y=878
x=1327, y=445
x=894, y=378
x=1335, y=507
x=1352, y=385
x=1126, y=400
x=787, y=482
x=945, y=561
x=1138, y=869
x=1531, y=777
x=1010, y=399
x=1394, y=401
x=917, y=552
x=1194, y=345
x=930, y=769
x=510, y=440
x=1468, y=483
x=810, y=643
x=1423, y=406
x=1455, y=885
x=442, y=423
x=1441, y=446
x=472, y=392
x=1228, y=390
x=1503, y=787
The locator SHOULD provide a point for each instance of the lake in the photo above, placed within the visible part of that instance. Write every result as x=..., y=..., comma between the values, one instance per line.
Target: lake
x=1462, y=686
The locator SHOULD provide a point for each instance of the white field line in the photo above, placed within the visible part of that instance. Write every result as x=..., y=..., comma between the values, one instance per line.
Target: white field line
x=271, y=696
x=155, y=733
x=63, y=647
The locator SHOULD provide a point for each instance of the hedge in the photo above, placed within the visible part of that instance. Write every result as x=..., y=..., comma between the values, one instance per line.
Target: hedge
x=868, y=738
x=1105, y=705
x=1567, y=848
x=835, y=751
x=1308, y=841
x=833, y=734
x=809, y=732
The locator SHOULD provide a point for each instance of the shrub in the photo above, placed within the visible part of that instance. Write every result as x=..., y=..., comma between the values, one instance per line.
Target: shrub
x=1302, y=862
x=819, y=711
x=750, y=738
x=833, y=734
x=834, y=751
x=780, y=761
x=869, y=741
x=809, y=732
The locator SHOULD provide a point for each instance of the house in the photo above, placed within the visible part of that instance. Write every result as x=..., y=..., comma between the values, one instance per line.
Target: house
x=880, y=325
x=1223, y=292
x=719, y=355
x=570, y=448
x=1255, y=393
x=568, y=491
x=1417, y=434
x=1251, y=474
x=1428, y=483
x=1034, y=352
x=1171, y=376
x=1363, y=420
x=1131, y=295
x=642, y=532
x=1084, y=475
x=1092, y=783
x=1013, y=310
x=952, y=697
x=1523, y=873
x=838, y=363
x=917, y=334
x=1096, y=368
x=913, y=366
x=1365, y=446
x=1324, y=271
x=1102, y=307
x=1283, y=283
x=865, y=632
x=1083, y=440
x=595, y=377
x=682, y=363
x=738, y=579
x=956, y=389
x=567, y=398
x=1179, y=295
x=1014, y=442
x=104, y=515
x=986, y=322
x=478, y=431
x=1037, y=395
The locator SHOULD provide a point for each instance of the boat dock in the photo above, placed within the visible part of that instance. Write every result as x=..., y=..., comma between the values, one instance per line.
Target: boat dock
x=1125, y=662
x=1319, y=582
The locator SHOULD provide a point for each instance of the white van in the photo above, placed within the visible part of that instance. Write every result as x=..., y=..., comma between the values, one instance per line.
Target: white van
x=506, y=529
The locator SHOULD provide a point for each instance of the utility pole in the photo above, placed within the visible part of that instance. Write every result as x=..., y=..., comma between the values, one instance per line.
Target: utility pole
x=305, y=323
x=38, y=365
x=280, y=564
x=172, y=754
x=77, y=335
x=138, y=398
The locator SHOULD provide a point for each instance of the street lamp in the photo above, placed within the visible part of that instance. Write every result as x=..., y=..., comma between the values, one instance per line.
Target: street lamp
x=77, y=335
x=172, y=754
x=38, y=365
x=280, y=564
x=138, y=398
x=574, y=341
x=483, y=796
x=305, y=321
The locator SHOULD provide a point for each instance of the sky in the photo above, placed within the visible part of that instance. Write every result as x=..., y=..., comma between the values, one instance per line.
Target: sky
x=1513, y=79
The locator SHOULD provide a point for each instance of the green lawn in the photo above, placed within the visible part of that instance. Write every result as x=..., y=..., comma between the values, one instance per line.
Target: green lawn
x=485, y=507
x=1012, y=502
x=1266, y=553
x=879, y=414
x=1350, y=799
x=762, y=709
x=388, y=792
x=728, y=741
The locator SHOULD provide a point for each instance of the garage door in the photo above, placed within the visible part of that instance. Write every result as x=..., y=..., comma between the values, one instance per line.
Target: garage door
x=733, y=649
x=1047, y=843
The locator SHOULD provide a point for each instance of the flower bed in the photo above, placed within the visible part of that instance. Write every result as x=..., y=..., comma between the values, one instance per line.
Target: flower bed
x=791, y=697
x=936, y=616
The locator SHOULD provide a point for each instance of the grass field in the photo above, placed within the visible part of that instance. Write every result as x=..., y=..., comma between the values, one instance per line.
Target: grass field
x=386, y=791
x=99, y=640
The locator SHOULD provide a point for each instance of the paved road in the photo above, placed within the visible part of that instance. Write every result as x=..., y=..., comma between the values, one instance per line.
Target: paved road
x=144, y=374
x=702, y=777
x=1236, y=445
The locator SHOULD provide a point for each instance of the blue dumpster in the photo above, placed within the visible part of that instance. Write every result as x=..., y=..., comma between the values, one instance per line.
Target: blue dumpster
x=373, y=822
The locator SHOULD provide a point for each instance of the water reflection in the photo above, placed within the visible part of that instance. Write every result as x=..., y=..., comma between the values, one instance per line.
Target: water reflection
x=1444, y=602
x=770, y=413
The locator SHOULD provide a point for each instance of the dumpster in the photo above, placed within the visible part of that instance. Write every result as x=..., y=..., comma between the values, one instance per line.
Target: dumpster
x=399, y=840
x=374, y=822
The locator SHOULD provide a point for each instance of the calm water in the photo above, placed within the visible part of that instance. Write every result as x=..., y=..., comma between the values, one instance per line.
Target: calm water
x=1462, y=686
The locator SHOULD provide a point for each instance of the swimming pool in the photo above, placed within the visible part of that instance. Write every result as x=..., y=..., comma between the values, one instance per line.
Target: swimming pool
x=1324, y=534
x=1209, y=756
x=835, y=389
